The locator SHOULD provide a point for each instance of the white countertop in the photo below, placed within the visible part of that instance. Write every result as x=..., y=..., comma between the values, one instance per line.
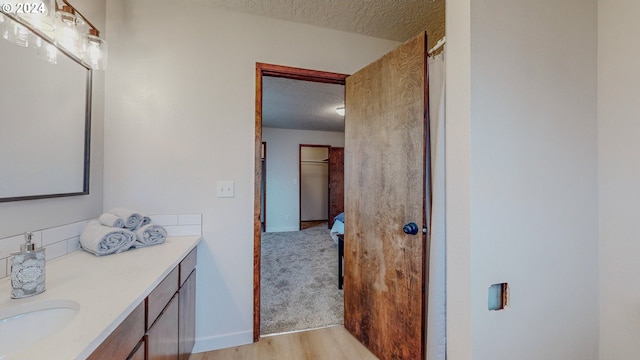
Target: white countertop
x=107, y=288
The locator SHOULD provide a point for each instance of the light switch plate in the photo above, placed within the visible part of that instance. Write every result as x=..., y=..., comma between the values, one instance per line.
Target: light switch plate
x=224, y=189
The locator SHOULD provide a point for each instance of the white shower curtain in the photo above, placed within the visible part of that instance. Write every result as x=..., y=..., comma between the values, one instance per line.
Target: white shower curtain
x=436, y=308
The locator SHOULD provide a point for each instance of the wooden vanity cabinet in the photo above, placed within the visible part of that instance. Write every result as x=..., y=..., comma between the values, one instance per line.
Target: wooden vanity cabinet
x=163, y=325
x=139, y=352
x=162, y=337
x=187, y=304
x=187, y=266
x=187, y=318
x=172, y=334
x=160, y=296
x=162, y=319
x=124, y=338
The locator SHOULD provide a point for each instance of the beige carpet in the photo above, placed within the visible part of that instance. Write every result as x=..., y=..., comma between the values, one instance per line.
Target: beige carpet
x=299, y=281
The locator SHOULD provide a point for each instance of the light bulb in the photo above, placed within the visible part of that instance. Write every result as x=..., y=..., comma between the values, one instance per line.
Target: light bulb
x=15, y=33
x=40, y=14
x=95, y=50
x=68, y=30
x=47, y=51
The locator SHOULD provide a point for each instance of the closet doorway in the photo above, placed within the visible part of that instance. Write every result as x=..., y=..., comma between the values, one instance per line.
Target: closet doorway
x=321, y=184
x=314, y=184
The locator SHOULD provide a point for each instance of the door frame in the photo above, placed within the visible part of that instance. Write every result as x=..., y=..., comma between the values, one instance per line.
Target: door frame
x=328, y=147
x=263, y=185
x=263, y=69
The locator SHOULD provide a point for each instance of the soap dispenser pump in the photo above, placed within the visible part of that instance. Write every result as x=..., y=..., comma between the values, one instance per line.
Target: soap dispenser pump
x=27, y=270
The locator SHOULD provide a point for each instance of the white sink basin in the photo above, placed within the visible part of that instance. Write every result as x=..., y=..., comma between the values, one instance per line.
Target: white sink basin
x=24, y=325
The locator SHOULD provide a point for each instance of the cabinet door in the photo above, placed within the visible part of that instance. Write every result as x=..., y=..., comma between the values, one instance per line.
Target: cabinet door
x=187, y=318
x=123, y=339
x=187, y=265
x=138, y=354
x=162, y=338
x=160, y=296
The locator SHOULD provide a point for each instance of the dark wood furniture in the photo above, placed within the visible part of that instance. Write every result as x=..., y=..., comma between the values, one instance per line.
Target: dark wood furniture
x=336, y=183
x=340, y=260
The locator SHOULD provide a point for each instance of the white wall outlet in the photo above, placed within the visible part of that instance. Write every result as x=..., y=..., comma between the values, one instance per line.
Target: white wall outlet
x=224, y=189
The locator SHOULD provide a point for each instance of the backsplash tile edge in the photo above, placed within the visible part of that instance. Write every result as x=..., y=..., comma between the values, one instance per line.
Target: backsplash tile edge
x=69, y=234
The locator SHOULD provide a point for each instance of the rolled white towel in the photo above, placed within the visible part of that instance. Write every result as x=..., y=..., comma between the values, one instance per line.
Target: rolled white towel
x=150, y=234
x=132, y=220
x=111, y=220
x=102, y=240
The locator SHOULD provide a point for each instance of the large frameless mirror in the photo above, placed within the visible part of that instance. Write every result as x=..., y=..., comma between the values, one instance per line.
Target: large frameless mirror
x=45, y=119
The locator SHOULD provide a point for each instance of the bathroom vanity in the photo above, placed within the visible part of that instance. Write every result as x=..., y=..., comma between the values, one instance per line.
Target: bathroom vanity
x=139, y=304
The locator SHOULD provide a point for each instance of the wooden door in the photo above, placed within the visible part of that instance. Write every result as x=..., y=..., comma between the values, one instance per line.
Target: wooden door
x=336, y=182
x=385, y=162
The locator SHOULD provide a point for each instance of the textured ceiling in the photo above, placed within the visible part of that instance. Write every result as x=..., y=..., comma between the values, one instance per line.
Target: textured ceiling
x=397, y=20
x=303, y=105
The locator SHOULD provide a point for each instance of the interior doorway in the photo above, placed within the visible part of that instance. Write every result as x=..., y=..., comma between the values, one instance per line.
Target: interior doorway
x=314, y=184
x=268, y=70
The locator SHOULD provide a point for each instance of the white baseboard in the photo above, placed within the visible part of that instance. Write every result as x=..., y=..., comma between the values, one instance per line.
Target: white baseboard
x=211, y=343
x=283, y=229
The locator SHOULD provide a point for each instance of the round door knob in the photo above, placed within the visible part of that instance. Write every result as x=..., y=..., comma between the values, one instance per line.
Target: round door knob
x=410, y=228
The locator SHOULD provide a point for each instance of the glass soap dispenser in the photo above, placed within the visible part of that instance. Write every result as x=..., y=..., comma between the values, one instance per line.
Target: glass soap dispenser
x=27, y=270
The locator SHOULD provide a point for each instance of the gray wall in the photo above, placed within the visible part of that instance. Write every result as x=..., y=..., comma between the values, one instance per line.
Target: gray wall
x=533, y=178
x=619, y=175
x=282, y=173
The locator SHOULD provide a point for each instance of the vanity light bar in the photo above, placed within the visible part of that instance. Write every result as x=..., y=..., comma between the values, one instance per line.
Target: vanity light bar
x=78, y=13
x=94, y=46
x=95, y=51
